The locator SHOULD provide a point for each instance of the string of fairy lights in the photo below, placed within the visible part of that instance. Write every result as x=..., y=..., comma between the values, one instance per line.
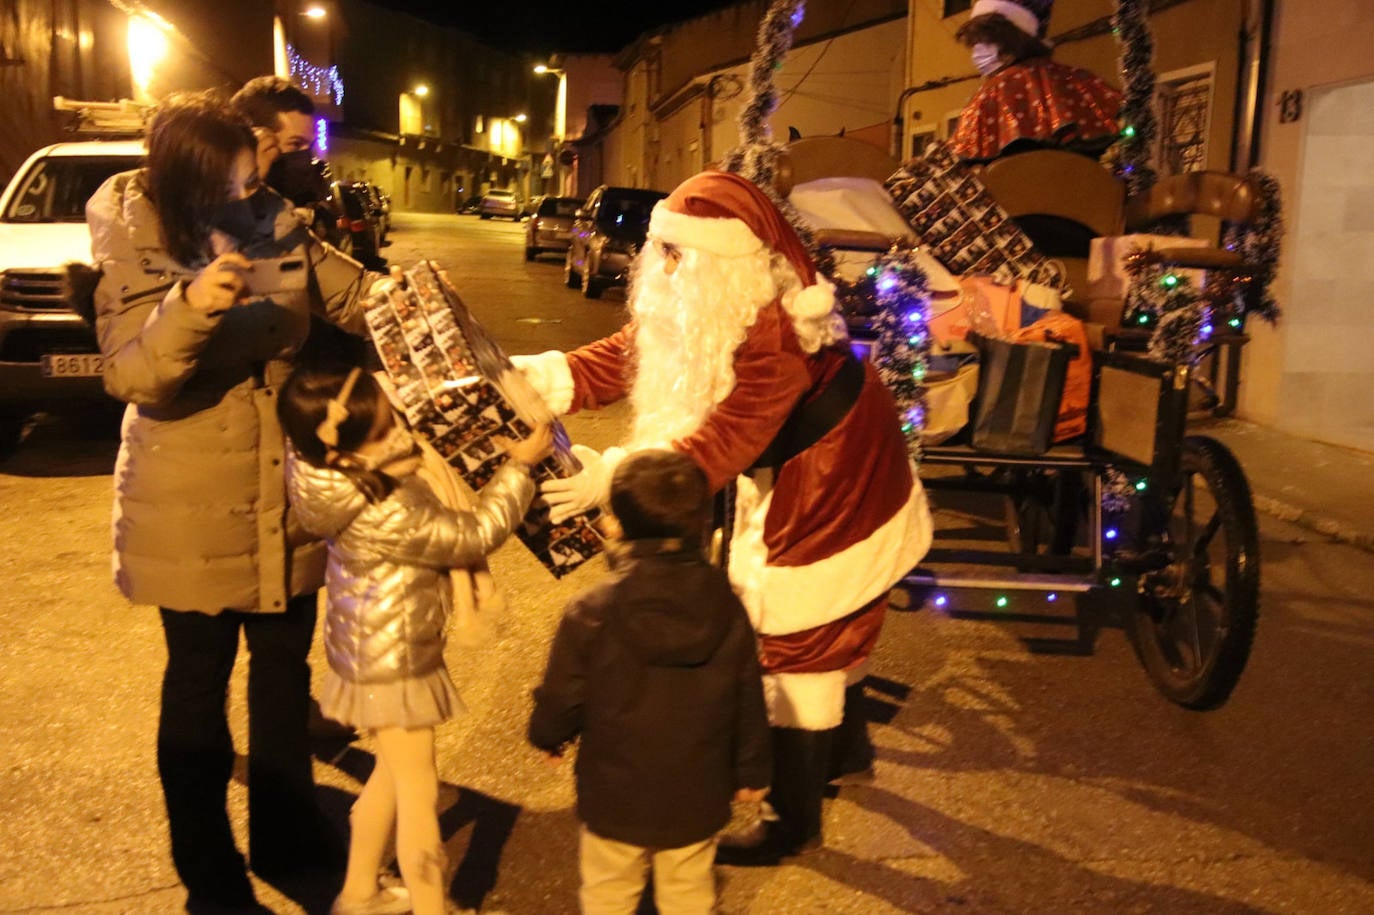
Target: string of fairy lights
x=322, y=82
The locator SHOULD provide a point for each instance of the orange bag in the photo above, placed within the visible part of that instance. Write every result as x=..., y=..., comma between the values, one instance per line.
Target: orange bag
x=1059, y=327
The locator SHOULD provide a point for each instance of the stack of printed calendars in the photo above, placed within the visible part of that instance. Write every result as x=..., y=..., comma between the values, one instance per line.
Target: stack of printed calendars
x=460, y=391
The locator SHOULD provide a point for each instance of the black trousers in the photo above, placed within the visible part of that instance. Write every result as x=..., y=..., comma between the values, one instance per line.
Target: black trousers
x=195, y=754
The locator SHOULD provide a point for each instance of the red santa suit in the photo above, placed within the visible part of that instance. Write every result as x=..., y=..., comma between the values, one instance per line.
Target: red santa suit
x=819, y=541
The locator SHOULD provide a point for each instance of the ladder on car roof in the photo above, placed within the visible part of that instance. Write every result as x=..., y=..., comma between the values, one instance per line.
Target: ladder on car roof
x=125, y=118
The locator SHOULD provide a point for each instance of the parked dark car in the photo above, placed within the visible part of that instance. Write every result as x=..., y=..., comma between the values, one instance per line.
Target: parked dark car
x=607, y=233
x=378, y=203
x=343, y=218
x=550, y=226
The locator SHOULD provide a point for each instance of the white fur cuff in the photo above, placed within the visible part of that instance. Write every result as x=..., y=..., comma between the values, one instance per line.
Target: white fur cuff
x=726, y=237
x=548, y=373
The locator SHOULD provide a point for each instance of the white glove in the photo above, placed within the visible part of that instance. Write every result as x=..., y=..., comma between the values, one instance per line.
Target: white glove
x=583, y=491
x=549, y=375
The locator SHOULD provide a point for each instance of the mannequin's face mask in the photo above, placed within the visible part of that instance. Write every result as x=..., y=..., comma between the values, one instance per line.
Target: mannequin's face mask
x=986, y=57
x=295, y=176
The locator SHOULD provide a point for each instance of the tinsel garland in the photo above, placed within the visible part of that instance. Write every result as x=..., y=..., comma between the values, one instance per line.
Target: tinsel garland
x=902, y=348
x=1178, y=312
x=756, y=156
x=1130, y=22
x=1258, y=243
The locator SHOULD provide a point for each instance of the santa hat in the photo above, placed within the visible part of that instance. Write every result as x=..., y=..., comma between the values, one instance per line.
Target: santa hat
x=730, y=216
x=1030, y=16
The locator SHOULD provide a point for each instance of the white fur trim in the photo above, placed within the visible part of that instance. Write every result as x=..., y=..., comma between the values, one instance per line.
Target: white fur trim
x=813, y=302
x=1014, y=13
x=786, y=599
x=548, y=373
x=727, y=237
x=813, y=701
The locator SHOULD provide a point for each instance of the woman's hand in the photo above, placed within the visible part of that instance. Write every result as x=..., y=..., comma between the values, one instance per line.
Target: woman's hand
x=534, y=449
x=220, y=285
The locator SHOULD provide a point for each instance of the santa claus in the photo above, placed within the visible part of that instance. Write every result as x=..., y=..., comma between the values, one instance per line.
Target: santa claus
x=736, y=356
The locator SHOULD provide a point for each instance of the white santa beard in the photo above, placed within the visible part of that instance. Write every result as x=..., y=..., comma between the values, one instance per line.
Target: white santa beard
x=688, y=327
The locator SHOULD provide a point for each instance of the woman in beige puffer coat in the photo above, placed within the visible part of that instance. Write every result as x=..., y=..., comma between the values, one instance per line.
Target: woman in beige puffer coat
x=201, y=524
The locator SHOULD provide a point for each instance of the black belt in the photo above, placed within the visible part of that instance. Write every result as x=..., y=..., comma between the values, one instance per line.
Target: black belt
x=812, y=419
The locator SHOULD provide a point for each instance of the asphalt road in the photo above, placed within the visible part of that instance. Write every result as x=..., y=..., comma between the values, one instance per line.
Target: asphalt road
x=1009, y=780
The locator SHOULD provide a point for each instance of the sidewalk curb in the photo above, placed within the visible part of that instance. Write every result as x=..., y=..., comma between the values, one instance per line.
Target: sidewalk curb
x=1336, y=530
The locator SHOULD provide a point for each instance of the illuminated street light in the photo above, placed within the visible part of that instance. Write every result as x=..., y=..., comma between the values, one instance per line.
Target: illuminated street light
x=560, y=116
x=147, y=47
x=315, y=12
x=421, y=90
x=520, y=119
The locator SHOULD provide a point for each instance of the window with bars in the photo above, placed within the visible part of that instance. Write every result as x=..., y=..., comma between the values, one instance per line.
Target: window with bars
x=1185, y=109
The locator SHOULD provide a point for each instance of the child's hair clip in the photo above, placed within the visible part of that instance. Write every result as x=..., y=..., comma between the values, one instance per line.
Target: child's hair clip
x=336, y=411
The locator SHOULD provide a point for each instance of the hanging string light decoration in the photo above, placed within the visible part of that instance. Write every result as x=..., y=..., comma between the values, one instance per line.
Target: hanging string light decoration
x=1258, y=243
x=902, y=350
x=321, y=82
x=1130, y=23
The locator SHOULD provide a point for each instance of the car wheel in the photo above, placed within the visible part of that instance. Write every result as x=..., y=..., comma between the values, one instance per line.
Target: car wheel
x=569, y=277
x=591, y=283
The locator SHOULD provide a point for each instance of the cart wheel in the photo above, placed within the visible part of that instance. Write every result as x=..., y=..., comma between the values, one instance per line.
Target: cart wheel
x=1196, y=619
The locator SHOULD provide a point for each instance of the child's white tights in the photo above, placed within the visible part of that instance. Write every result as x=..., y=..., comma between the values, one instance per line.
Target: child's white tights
x=403, y=791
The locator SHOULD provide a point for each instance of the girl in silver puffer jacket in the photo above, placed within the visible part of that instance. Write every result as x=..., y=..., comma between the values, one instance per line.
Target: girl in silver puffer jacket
x=353, y=479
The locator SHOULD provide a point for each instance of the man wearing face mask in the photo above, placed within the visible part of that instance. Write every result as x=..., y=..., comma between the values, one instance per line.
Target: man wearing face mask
x=283, y=119
x=1027, y=100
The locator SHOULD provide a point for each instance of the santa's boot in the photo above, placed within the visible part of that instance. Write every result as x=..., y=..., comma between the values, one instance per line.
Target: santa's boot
x=851, y=756
x=801, y=761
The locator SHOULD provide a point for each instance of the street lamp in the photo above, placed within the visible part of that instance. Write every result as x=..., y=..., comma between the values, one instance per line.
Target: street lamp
x=421, y=90
x=560, y=115
x=315, y=12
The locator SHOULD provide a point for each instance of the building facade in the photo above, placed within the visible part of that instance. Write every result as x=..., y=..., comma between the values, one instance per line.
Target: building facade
x=686, y=84
x=1312, y=374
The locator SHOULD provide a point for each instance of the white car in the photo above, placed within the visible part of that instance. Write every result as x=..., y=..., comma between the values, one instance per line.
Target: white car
x=48, y=353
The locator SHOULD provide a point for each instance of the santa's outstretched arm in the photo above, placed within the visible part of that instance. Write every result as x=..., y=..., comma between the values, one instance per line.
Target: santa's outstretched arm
x=588, y=378
x=770, y=378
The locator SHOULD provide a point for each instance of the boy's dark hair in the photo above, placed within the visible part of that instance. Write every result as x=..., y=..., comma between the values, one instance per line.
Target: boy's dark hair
x=303, y=404
x=660, y=494
x=264, y=97
x=193, y=140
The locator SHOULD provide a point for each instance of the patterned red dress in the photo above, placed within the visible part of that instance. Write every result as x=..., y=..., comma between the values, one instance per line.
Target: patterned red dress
x=1036, y=99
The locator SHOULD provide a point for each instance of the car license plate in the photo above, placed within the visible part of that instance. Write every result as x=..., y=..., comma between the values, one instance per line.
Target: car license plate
x=71, y=365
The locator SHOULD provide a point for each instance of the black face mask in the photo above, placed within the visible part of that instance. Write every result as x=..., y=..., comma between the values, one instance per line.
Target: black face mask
x=296, y=177
x=242, y=219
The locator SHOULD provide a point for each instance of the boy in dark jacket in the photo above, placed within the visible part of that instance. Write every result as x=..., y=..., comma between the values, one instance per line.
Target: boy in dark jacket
x=656, y=670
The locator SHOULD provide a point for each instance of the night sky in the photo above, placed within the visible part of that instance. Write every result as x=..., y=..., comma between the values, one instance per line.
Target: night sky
x=546, y=26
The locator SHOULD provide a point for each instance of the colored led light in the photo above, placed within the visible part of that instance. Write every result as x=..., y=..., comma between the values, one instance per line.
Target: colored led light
x=941, y=600
x=1116, y=582
x=1140, y=487
x=1051, y=597
x=1110, y=533
x=1002, y=602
